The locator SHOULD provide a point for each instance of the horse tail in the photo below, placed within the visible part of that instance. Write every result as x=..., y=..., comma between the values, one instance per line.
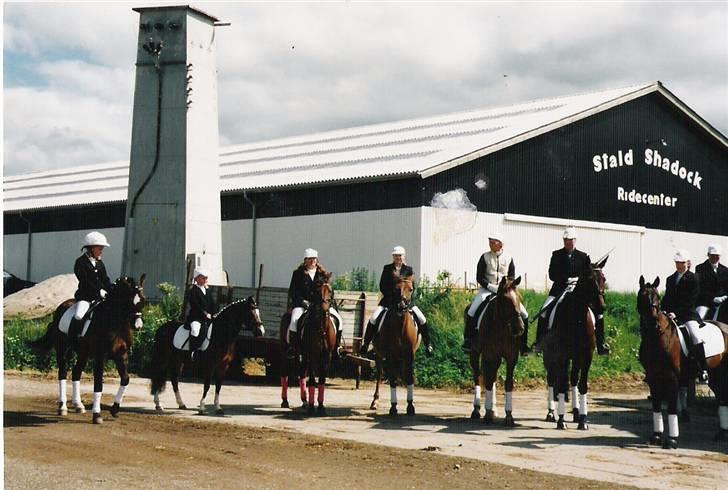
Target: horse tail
x=43, y=344
x=160, y=359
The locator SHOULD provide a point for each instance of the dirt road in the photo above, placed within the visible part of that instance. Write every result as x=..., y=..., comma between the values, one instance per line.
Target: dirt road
x=257, y=444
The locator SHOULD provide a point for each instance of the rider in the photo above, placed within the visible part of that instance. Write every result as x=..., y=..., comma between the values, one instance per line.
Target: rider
x=492, y=267
x=681, y=294
x=302, y=292
x=713, y=280
x=566, y=267
x=201, y=308
x=387, y=285
x=93, y=282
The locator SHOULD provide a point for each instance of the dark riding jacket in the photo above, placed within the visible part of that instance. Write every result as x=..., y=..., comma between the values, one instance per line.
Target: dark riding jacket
x=712, y=283
x=563, y=266
x=199, y=305
x=91, y=279
x=303, y=287
x=681, y=298
x=387, y=283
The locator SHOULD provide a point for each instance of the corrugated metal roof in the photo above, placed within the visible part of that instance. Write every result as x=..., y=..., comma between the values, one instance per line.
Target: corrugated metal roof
x=417, y=147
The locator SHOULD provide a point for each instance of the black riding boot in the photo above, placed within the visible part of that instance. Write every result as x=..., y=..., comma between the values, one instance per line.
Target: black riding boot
x=338, y=351
x=425, y=332
x=294, y=344
x=195, y=344
x=468, y=333
x=368, y=337
x=541, y=328
x=697, y=352
x=74, y=329
x=602, y=347
x=524, y=339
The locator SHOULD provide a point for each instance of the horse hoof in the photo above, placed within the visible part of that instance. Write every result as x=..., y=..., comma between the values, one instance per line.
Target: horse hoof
x=489, y=417
x=655, y=439
x=685, y=416
x=159, y=410
x=475, y=414
x=79, y=408
x=560, y=424
x=97, y=419
x=311, y=410
x=284, y=404
x=182, y=407
x=410, y=409
x=550, y=417
x=575, y=413
x=374, y=405
x=582, y=423
x=670, y=443
x=114, y=410
x=219, y=411
x=321, y=410
x=62, y=410
x=393, y=410
x=509, y=421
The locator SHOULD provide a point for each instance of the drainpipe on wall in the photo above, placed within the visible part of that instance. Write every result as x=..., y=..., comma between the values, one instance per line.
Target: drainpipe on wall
x=30, y=243
x=255, y=227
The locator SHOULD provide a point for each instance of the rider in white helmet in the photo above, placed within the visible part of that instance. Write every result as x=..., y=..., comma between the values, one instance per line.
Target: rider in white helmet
x=201, y=307
x=387, y=285
x=93, y=282
x=713, y=280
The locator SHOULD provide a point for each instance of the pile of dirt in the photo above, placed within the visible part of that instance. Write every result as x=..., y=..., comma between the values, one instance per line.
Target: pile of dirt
x=40, y=300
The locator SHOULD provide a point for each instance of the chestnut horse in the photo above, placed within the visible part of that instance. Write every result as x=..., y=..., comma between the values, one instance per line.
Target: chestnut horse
x=395, y=345
x=572, y=340
x=318, y=341
x=109, y=335
x=499, y=335
x=167, y=360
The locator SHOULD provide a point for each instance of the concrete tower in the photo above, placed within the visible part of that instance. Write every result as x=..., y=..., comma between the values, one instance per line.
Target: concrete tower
x=173, y=206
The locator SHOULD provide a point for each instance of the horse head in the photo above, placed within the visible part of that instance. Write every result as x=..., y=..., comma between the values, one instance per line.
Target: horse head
x=129, y=297
x=403, y=289
x=324, y=292
x=648, y=306
x=508, y=305
x=252, y=317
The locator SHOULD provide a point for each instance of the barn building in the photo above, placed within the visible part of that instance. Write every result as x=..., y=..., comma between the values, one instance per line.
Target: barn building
x=635, y=170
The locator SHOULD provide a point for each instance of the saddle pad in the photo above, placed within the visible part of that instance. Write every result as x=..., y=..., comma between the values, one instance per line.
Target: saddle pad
x=482, y=314
x=681, y=338
x=712, y=337
x=65, y=322
x=182, y=335
x=552, y=315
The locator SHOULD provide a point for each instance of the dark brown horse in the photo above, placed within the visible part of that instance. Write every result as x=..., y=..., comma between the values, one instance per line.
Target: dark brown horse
x=168, y=359
x=572, y=340
x=318, y=341
x=395, y=345
x=109, y=335
x=499, y=335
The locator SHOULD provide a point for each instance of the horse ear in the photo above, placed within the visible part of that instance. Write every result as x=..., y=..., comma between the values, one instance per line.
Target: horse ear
x=657, y=282
x=642, y=282
x=141, y=279
x=517, y=281
x=502, y=281
x=603, y=262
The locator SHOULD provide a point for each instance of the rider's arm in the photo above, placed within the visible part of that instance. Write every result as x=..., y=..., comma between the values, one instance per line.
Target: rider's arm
x=480, y=274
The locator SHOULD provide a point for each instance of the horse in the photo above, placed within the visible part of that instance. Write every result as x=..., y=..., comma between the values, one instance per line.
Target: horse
x=572, y=339
x=168, y=357
x=395, y=345
x=501, y=327
x=109, y=334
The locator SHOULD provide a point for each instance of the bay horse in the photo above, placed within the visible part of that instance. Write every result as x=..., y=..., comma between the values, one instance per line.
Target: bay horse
x=501, y=327
x=109, y=335
x=572, y=339
x=167, y=359
x=395, y=345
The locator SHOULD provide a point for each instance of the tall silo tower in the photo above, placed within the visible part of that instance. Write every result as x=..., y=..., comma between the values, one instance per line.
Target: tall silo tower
x=173, y=205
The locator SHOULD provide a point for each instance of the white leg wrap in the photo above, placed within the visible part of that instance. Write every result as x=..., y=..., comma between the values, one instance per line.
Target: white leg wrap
x=97, y=402
x=392, y=395
x=489, y=402
x=657, y=423
x=672, y=426
x=62, y=391
x=509, y=401
x=476, y=395
x=120, y=394
x=723, y=417
x=217, y=400
x=178, y=397
x=76, y=397
x=562, y=404
x=156, y=401
x=550, y=398
x=410, y=393
x=583, y=408
x=574, y=397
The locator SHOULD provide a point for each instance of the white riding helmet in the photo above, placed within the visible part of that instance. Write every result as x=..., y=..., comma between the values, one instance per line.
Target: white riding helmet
x=714, y=249
x=681, y=256
x=398, y=250
x=570, y=233
x=310, y=253
x=200, y=271
x=495, y=235
x=94, y=238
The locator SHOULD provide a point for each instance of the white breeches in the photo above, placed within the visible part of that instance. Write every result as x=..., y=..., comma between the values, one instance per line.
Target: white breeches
x=548, y=301
x=375, y=316
x=702, y=311
x=524, y=312
x=482, y=295
x=81, y=309
x=420, y=317
x=298, y=311
x=195, y=328
x=693, y=329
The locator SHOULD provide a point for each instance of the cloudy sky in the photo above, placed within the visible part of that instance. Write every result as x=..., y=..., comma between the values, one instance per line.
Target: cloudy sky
x=287, y=69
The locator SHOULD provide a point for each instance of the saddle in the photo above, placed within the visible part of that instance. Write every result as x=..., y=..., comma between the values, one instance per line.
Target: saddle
x=64, y=323
x=181, y=338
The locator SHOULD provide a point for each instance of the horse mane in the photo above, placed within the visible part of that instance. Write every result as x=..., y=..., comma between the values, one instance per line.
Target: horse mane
x=224, y=308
